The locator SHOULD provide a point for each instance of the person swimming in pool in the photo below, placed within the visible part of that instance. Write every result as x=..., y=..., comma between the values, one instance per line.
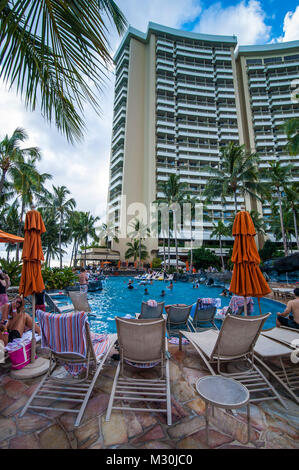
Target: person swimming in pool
x=146, y=292
x=163, y=293
x=170, y=286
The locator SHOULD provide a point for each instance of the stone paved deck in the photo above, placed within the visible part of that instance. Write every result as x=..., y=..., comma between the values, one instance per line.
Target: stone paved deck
x=273, y=427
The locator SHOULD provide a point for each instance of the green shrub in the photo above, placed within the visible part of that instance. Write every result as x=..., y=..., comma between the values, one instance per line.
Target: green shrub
x=156, y=263
x=56, y=278
x=203, y=258
x=13, y=269
x=270, y=250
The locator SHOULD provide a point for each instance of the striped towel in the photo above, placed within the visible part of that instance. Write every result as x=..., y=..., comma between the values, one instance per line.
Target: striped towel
x=66, y=333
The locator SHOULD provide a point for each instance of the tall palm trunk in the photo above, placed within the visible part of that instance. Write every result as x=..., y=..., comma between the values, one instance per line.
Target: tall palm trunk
x=20, y=228
x=85, y=252
x=60, y=229
x=285, y=246
x=73, y=251
x=2, y=181
x=191, y=247
x=168, y=248
x=295, y=225
x=176, y=243
x=236, y=202
x=164, y=253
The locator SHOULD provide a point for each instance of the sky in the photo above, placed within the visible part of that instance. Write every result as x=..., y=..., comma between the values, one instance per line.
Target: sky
x=84, y=167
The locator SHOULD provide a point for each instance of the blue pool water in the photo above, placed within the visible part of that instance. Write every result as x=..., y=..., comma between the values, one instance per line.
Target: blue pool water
x=117, y=300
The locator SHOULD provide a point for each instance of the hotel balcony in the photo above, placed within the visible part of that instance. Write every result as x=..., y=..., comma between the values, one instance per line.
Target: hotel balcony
x=195, y=85
x=205, y=51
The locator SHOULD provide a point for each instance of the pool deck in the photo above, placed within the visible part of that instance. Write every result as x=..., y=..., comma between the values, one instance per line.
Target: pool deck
x=273, y=427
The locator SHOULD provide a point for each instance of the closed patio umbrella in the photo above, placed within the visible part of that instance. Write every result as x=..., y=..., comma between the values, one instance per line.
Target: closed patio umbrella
x=247, y=279
x=31, y=278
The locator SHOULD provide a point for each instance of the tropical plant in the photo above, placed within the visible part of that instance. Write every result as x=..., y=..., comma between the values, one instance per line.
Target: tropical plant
x=291, y=128
x=220, y=230
x=270, y=250
x=258, y=222
x=13, y=269
x=56, y=278
x=58, y=51
x=88, y=229
x=287, y=223
x=237, y=174
x=174, y=193
x=203, y=258
x=156, y=263
x=108, y=232
x=140, y=231
x=136, y=250
x=276, y=177
x=292, y=194
x=11, y=153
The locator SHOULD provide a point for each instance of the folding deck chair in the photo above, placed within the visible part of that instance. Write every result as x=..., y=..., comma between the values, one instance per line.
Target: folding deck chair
x=178, y=318
x=80, y=301
x=277, y=343
x=142, y=344
x=148, y=312
x=203, y=318
x=73, y=346
x=234, y=342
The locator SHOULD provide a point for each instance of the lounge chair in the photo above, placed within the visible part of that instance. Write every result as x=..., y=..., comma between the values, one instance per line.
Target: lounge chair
x=141, y=343
x=178, y=319
x=56, y=306
x=203, y=318
x=235, y=342
x=73, y=346
x=80, y=302
x=151, y=312
x=268, y=347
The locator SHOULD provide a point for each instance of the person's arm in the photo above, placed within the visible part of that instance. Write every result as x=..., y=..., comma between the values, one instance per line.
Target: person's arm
x=287, y=311
x=7, y=279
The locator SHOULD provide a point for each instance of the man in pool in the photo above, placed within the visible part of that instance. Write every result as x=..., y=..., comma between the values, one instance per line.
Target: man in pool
x=163, y=293
x=285, y=319
x=146, y=292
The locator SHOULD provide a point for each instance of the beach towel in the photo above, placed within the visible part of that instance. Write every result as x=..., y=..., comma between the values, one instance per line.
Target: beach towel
x=66, y=333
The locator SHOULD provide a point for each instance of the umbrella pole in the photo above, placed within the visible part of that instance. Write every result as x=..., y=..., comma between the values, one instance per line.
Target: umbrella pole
x=259, y=302
x=33, y=342
x=245, y=306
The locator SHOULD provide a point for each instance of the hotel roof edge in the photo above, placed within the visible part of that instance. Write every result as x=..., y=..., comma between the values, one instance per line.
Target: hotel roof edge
x=266, y=48
x=155, y=27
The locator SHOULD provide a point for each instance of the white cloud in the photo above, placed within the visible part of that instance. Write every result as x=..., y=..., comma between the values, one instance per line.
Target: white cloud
x=291, y=26
x=246, y=20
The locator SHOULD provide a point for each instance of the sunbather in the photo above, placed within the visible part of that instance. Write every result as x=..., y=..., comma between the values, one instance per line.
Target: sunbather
x=15, y=321
x=290, y=317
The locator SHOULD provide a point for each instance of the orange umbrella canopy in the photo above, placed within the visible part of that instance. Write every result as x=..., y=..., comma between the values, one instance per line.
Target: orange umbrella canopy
x=247, y=279
x=31, y=278
x=8, y=238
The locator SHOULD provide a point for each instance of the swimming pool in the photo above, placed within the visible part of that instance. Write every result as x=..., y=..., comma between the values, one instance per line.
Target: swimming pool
x=117, y=300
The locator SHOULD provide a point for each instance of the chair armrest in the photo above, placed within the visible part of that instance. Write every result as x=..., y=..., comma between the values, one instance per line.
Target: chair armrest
x=190, y=323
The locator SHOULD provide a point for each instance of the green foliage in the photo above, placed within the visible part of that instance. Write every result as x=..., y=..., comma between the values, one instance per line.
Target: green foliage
x=56, y=278
x=156, y=263
x=203, y=258
x=270, y=250
x=13, y=269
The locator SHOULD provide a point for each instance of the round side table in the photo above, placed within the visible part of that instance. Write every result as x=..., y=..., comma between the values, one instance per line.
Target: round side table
x=223, y=392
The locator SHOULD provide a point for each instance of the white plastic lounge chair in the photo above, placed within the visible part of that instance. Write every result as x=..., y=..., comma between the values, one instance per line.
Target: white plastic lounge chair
x=142, y=344
x=80, y=302
x=148, y=312
x=80, y=352
x=235, y=342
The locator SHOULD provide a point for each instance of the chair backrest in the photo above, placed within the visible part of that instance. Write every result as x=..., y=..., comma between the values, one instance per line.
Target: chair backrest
x=178, y=315
x=67, y=335
x=238, y=335
x=151, y=312
x=80, y=302
x=203, y=315
x=141, y=340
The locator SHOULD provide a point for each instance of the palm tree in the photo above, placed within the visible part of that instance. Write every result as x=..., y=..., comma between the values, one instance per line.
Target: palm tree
x=221, y=230
x=27, y=183
x=88, y=229
x=292, y=194
x=62, y=207
x=277, y=177
x=237, y=173
x=139, y=231
x=58, y=51
x=135, y=250
x=174, y=192
x=288, y=223
x=11, y=153
x=108, y=231
x=258, y=222
x=193, y=200
x=291, y=128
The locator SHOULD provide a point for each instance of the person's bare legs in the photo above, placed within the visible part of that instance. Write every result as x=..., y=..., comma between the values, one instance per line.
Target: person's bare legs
x=278, y=324
x=21, y=321
x=28, y=324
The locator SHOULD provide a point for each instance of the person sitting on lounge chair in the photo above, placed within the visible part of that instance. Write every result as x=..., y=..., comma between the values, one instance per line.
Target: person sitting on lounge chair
x=15, y=321
x=290, y=317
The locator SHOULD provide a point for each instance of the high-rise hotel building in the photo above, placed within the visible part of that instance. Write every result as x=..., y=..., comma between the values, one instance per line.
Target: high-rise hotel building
x=180, y=97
